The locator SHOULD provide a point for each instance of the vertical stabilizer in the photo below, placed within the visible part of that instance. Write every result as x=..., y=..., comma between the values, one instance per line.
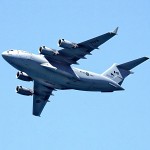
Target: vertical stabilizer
x=119, y=72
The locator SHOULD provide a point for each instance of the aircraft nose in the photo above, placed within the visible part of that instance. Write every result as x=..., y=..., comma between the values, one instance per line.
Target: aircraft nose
x=4, y=54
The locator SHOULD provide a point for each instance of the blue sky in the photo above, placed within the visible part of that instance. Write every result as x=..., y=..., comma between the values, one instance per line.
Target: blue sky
x=74, y=119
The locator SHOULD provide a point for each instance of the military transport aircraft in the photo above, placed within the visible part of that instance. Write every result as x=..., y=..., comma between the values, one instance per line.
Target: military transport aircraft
x=51, y=70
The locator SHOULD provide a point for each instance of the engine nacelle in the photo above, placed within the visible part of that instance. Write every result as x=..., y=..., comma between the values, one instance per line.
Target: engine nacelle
x=66, y=44
x=47, y=51
x=24, y=91
x=23, y=76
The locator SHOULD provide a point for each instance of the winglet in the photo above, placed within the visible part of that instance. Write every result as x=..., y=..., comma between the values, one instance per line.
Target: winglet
x=116, y=30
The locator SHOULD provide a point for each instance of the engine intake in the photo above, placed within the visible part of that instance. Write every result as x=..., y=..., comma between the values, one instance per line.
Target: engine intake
x=66, y=44
x=23, y=76
x=24, y=91
x=47, y=51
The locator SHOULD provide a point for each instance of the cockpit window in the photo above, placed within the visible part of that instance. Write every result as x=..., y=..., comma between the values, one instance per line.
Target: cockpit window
x=10, y=51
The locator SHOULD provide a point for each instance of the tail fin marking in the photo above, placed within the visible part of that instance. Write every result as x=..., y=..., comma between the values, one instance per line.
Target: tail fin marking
x=119, y=72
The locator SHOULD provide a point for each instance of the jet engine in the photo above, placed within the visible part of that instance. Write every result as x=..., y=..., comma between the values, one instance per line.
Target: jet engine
x=24, y=91
x=66, y=44
x=23, y=76
x=47, y=51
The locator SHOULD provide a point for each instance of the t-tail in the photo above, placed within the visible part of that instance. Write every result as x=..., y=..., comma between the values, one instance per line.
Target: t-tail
x=118, y=73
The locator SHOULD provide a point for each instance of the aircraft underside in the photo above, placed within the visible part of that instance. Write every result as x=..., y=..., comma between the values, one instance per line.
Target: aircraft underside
x=52, y=69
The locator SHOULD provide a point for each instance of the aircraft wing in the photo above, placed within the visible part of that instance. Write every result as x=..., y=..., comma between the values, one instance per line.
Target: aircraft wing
x=40, y=97
x=72, y=55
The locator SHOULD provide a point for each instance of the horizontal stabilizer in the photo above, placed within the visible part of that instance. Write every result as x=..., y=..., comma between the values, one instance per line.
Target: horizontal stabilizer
x=131, y=64
x=118, y=73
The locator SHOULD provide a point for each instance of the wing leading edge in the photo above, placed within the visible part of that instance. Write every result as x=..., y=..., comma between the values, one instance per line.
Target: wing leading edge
x=69, y=56
x=40, y=97
x=86, y=47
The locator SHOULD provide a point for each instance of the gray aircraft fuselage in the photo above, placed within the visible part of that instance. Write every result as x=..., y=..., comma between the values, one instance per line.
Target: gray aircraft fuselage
x=52, y=69
x=57, y=75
